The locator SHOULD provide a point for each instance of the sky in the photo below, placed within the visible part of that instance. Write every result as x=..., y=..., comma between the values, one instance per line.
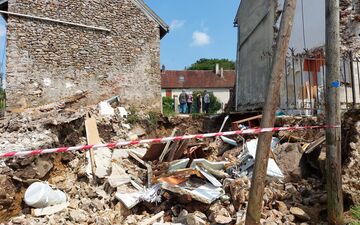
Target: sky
x=198, y=29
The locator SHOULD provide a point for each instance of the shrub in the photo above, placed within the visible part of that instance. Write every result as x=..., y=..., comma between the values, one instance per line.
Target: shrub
x=215, y=104
x=153, y=118
x=2, y=98
x=168, y=106
x=133, y=117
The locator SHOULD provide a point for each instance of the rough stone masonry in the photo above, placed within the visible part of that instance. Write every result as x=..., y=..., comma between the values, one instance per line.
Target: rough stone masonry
x=47, y=61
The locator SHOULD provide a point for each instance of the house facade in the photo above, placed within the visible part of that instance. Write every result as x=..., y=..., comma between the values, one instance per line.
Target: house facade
x=220, y=84
x=57, y=48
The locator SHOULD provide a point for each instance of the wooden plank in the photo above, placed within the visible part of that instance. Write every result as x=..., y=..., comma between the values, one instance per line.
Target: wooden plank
x=92, y=136
x=236, y=123
x=166, y=149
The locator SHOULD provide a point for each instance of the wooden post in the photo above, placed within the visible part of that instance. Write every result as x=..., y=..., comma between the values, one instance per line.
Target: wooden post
x=333, y=116
x=253, y=213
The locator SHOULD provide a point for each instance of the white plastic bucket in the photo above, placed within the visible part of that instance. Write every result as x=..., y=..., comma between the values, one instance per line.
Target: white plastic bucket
x=40, y=195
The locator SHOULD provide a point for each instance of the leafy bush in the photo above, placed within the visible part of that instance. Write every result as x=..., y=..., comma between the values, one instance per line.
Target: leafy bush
x=153, y=118
x=355, y=211
x=133, y=117
x=2, y=98
x=215, y=104
x=168, y=106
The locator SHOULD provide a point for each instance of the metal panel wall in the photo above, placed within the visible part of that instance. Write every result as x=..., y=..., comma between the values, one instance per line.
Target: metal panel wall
x=255, y=22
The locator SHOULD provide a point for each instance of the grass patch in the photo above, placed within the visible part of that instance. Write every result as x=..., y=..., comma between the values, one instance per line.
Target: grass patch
x=2, y=99
x=355, y=212
x=133, y=117
x=153, y=118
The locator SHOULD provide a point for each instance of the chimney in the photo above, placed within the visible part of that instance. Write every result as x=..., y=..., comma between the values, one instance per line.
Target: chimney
x=217, y=71
x=222, y=72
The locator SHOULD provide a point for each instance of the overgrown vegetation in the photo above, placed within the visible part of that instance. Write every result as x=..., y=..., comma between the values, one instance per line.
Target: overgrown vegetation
x=153, y=118
x=215, y=104
x=2, y=98
x=209, y=64
x=355, y=211
x=168, y=106
x=133, y=117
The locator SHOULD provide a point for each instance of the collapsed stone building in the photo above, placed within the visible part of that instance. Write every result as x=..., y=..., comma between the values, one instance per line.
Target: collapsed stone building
x=104, y=48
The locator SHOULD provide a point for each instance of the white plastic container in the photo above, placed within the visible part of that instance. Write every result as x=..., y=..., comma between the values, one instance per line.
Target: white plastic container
x=41, y=195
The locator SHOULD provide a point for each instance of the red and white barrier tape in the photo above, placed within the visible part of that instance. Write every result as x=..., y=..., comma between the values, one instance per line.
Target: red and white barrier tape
x=158, y=140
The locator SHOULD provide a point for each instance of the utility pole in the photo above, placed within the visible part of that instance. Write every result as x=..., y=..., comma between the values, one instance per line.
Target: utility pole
x=333, y=116
x=253, y=213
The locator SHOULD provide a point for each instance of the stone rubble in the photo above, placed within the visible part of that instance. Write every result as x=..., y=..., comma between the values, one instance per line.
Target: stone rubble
x=295, y=200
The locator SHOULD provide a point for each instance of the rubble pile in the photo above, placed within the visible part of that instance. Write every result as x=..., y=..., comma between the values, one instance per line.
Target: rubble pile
x=349, y=26
x=351, y=155
x=193, y=182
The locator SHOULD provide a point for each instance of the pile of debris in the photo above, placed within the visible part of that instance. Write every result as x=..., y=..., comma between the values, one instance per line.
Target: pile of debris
x=197, y=181
x=349, y=26
x=351, y=156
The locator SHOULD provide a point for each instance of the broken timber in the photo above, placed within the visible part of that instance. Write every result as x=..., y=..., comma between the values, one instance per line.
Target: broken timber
x=253, y=214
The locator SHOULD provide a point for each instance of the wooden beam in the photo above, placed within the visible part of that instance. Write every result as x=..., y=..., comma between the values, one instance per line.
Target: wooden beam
x=254, y=209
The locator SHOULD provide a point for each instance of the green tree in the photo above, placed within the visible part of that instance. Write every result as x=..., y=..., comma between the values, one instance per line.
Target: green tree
x=210, y=64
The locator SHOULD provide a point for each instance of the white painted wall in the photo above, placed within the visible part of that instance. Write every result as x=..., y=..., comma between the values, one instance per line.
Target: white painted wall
x=222, y=94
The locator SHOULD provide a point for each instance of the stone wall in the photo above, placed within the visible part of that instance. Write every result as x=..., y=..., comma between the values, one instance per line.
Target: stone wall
x=47, y=61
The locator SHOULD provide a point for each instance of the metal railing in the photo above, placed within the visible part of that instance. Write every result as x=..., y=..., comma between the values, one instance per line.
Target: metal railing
x=303, y=87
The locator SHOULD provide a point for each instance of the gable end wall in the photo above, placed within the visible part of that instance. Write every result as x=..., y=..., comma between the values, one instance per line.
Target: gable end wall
x=48, y=61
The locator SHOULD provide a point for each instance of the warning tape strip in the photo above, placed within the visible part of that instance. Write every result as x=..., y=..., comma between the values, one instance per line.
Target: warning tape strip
x=158, y=140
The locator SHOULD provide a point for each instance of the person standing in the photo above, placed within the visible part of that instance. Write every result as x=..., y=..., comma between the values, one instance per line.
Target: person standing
x=198, y=103
x=206, y=101
x=183, y=101
x=189, y=102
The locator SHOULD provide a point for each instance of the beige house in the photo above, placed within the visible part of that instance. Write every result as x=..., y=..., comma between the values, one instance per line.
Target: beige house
x=221, y=84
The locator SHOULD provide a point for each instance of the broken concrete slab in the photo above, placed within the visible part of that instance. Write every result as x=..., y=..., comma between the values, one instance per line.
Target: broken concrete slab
x=50, y=210
x=300, y=214
x=78, y=216
x=101, y=158
x=129, y=199
x=106, y=109
x=123, y=112
x=118, y=175
x=102, y=162
x=43, y=166
x=196, y=218
x=119, y=154
x=219, y=214
x=140, y=152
